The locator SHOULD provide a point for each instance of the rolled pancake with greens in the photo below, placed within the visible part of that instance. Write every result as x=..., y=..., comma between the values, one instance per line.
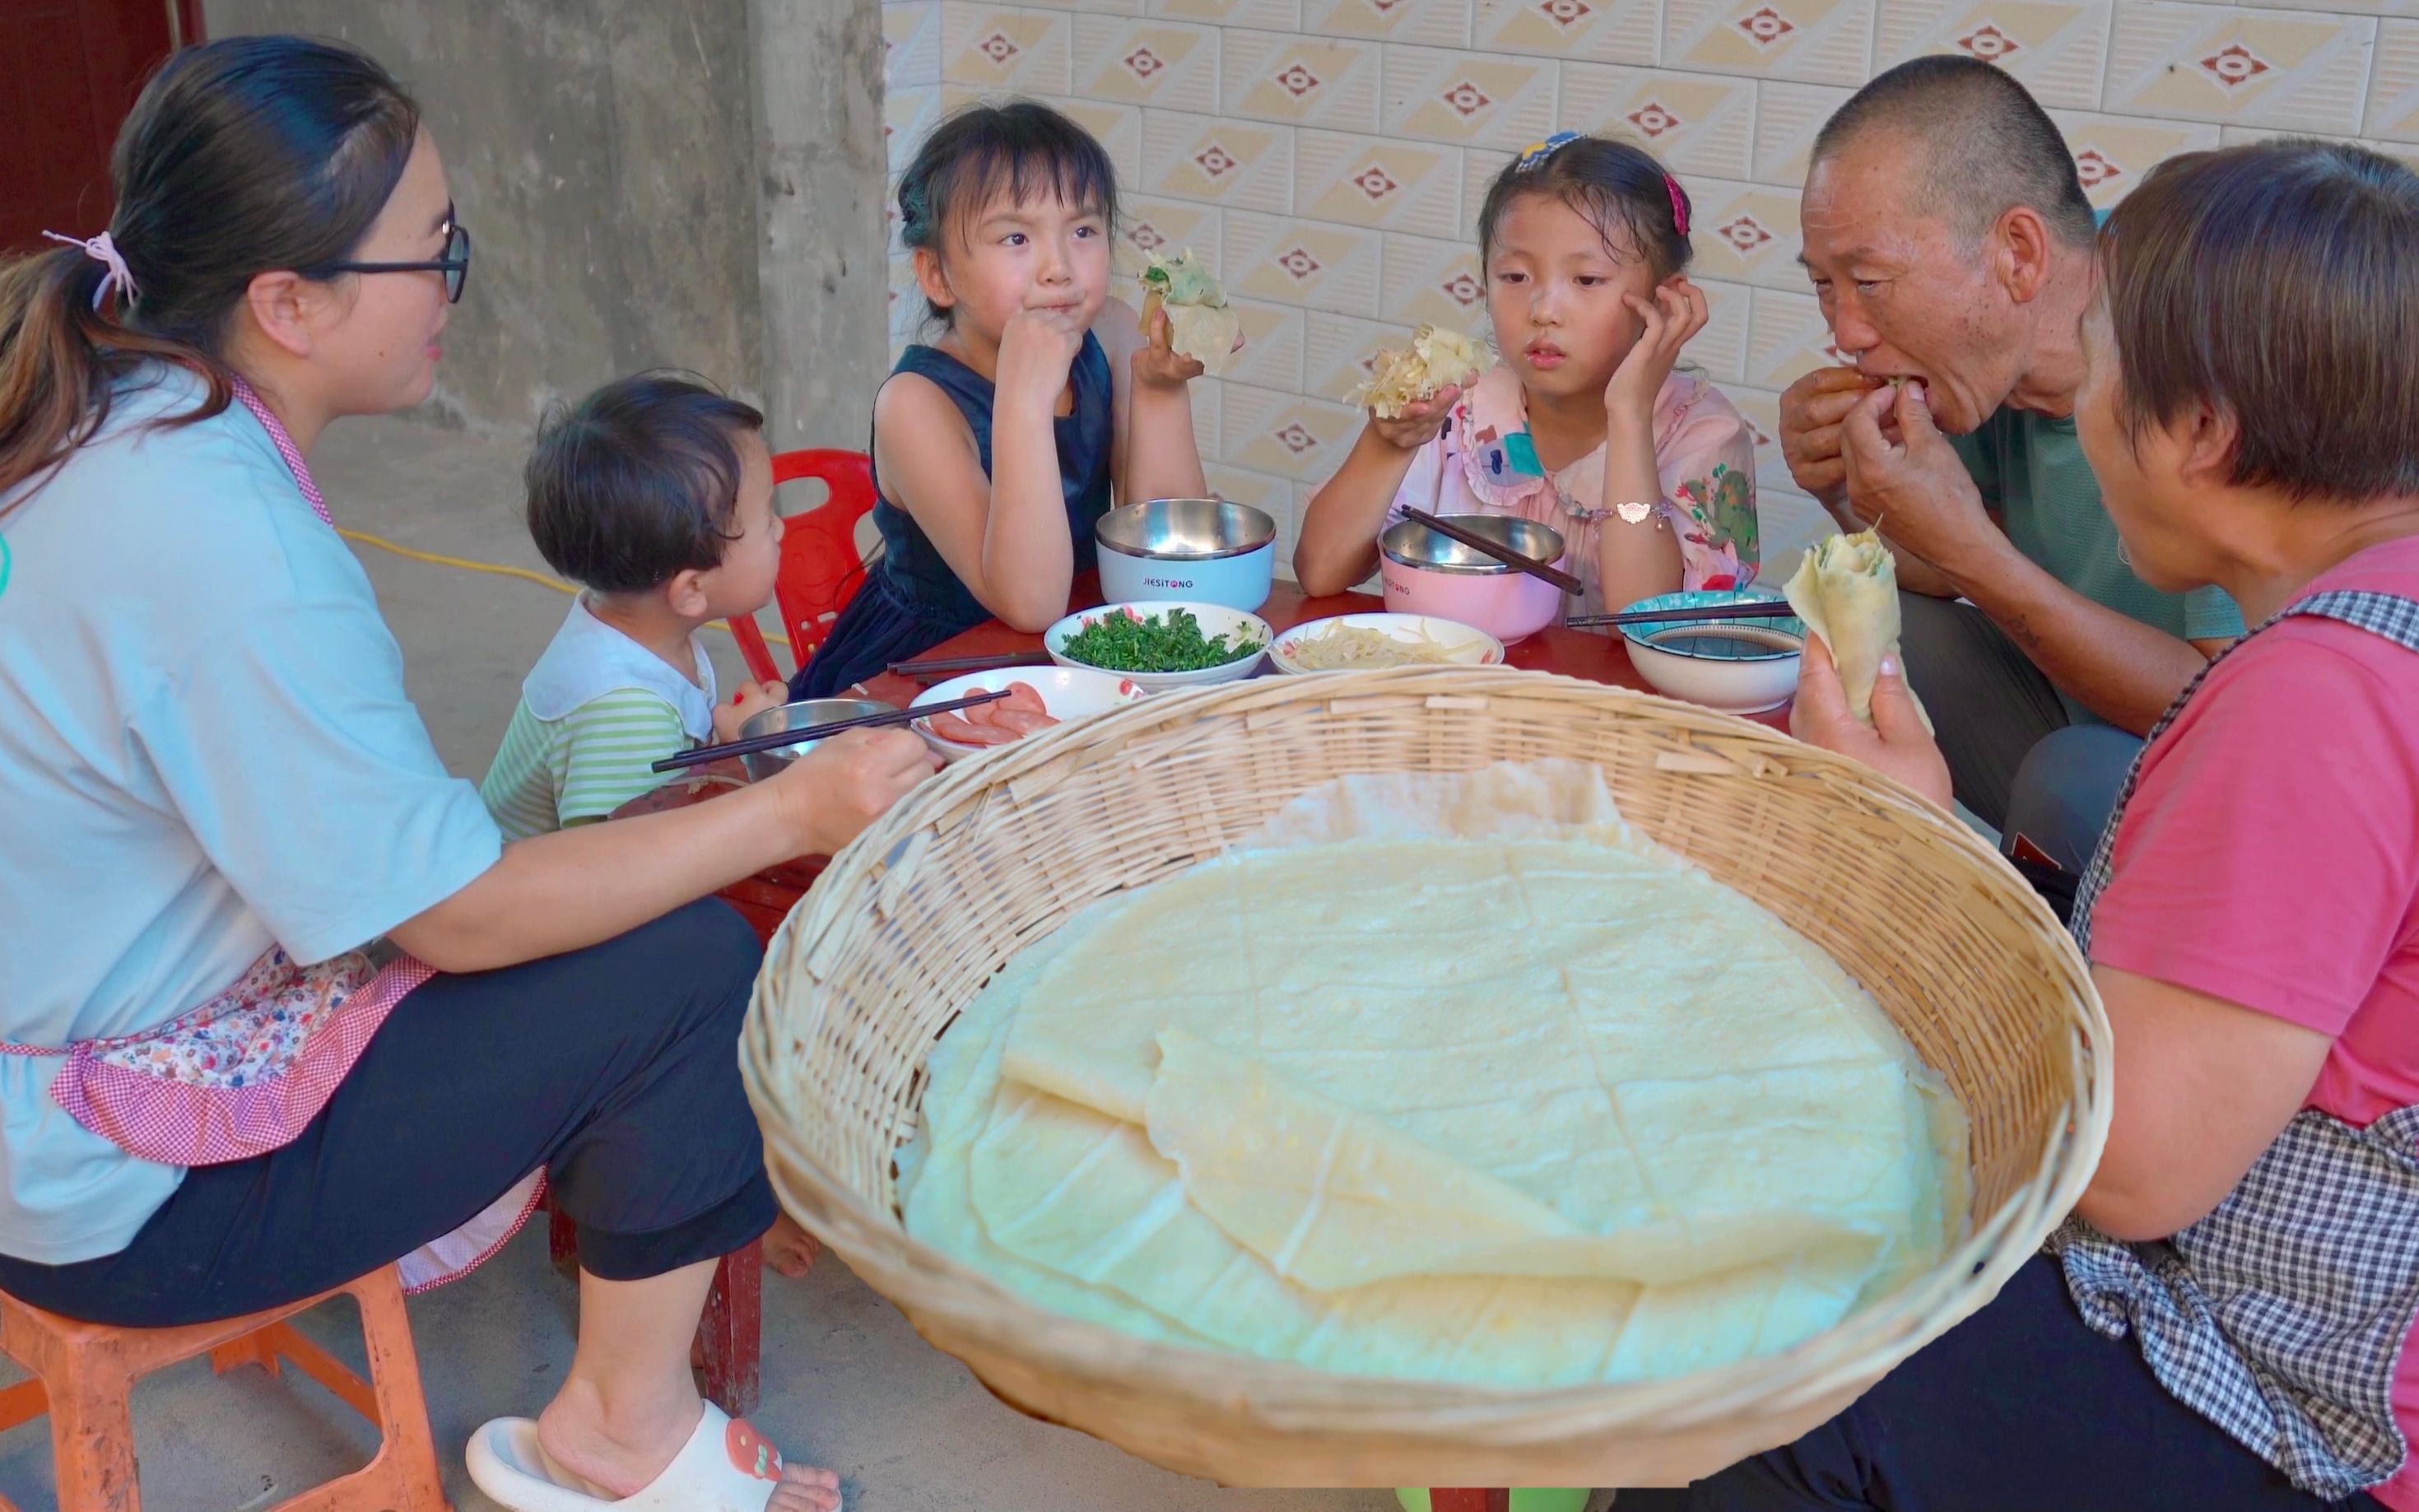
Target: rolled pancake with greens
x=1846, y=591
x=1200, y=324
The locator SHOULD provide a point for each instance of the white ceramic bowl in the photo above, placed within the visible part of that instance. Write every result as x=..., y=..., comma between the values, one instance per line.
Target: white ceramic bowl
x=1470, y=647
x=1187, y=550
x=1732, y=666
x=1067, y=692
x=1216, y=620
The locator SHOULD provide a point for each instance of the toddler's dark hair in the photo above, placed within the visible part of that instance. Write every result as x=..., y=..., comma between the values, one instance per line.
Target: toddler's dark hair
x=1618, y=186
x=1021, y=147
x=638, y=483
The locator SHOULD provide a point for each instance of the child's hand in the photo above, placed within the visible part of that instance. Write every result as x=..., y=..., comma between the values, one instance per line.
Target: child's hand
x=847, y=783
x=1159, y=364
x=1036, y=352
x=1419, y=423
x=753, y=699
x=1678, y=314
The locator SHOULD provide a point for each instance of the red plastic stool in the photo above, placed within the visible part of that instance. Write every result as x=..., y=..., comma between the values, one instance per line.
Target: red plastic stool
x=821, y=567
x=84, y=1376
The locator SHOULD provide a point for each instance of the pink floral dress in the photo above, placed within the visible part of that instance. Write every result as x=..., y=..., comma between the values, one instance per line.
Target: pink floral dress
x=1704, y=452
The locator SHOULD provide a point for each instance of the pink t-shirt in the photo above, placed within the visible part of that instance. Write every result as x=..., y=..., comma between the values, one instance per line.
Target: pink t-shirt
x=2270, y=857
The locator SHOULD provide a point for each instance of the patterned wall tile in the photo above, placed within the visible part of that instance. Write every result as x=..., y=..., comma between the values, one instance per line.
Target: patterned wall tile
x=1142, y=62
x=1429, y=23
x=2394, y=87
x=2112, y=153
x=1480, y=166
x=1263, y=491
x=1786, y=339
x=1813, y=41
x=1433, y=282
x=1289, y=435
x=1720, y=350
x=1117, y=127
x=1169, y=225
x=2406, y=152
x=2238, y=66
x=1272, y=341
x=1441, y=96
x=1241, y=163
x=908, y=115
x=1276, y=77
x=1274, y=15
x=1746, y=233
x=1208, y=415
x=993, y=48
x=2056, y=47
x=1787, y=116
x=911, y=43
x=1369, y=180
x=1306, y=263
x=1601, y=31
x=1697, y=123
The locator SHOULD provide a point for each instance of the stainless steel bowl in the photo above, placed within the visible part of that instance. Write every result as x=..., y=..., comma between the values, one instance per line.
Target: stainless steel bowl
x=1185, y=529
x=764, y=764
x=1414, y=545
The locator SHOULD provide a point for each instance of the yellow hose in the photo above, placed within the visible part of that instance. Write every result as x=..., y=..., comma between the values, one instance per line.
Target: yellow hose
x=500, y=570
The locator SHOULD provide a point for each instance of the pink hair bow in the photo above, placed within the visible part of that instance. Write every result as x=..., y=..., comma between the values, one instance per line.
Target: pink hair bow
x=1679, y=205
x=104, y=251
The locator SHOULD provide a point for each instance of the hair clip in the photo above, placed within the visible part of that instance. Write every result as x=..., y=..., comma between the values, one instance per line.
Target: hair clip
x=1538, y=152
x=1679, y=205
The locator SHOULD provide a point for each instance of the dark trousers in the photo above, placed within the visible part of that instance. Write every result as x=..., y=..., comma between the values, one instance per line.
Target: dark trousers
x=2020, y=760
x=616, y=1067
x=2019, y=1409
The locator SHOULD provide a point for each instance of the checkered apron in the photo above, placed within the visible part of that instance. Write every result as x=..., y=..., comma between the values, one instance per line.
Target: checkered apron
x=2281, y=1316
x=241, y=1074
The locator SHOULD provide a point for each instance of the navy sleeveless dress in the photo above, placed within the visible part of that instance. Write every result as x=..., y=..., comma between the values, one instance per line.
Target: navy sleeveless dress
x=911, y=601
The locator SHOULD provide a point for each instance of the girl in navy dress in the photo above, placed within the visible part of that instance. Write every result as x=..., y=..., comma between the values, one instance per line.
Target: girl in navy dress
x=999, y=446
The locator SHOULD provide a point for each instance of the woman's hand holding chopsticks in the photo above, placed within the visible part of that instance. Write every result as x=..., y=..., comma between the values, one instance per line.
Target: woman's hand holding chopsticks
x=828, y=796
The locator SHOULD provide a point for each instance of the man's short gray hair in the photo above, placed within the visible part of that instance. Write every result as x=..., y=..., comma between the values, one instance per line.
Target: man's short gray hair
x=1981, y=146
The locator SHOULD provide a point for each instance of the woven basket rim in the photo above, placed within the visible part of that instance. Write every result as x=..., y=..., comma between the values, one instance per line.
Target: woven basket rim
x=1854, y=1352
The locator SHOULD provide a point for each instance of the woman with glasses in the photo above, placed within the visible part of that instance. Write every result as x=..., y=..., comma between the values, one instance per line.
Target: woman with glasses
x=278, y=1006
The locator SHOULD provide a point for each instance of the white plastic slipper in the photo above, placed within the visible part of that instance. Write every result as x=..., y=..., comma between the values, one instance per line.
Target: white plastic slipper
x=726, y=1466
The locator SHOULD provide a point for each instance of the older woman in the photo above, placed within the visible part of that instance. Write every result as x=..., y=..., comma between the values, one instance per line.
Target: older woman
x=214, y=791
x=2252, y=919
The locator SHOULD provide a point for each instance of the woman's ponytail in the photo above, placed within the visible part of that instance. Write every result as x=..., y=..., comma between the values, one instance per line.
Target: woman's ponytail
x=242, y=156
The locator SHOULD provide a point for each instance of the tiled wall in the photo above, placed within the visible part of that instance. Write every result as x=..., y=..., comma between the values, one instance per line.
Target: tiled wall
x=1328, y=157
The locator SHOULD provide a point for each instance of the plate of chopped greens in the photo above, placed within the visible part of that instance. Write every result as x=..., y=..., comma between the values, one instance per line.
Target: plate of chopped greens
x=1161, y=644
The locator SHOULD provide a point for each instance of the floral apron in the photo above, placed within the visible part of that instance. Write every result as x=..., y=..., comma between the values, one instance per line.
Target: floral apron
x=2281, y=1317
x=244, y=1073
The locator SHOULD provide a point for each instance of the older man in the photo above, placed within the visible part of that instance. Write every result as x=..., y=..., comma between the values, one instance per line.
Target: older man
x=1951, y=246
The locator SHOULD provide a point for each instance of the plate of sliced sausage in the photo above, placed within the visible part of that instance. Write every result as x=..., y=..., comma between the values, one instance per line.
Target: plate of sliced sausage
x=1039, y=699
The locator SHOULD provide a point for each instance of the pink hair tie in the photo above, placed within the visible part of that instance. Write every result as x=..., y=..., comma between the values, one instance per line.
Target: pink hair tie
x=1679, y=205
x=105, y=251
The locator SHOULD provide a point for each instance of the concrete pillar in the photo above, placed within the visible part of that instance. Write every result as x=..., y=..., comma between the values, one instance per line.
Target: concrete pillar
x=683, y=183
x=822, y=263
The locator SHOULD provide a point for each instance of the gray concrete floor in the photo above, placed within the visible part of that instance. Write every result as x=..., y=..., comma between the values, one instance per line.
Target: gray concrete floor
x=847, y=1383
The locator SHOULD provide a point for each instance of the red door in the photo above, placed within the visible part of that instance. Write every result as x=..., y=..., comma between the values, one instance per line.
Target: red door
x=68, y=71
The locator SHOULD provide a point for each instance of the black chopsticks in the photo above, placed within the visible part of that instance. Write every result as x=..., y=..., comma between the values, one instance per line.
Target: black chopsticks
x=774, y=740
x=933, y=667
x=1753, y=609
x=1497, y=549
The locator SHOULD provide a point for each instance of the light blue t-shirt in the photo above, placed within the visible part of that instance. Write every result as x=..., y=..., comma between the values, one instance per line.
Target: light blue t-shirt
x=205, y=749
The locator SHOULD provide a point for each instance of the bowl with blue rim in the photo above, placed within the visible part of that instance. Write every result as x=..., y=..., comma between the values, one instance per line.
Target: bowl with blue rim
x=1743, y=666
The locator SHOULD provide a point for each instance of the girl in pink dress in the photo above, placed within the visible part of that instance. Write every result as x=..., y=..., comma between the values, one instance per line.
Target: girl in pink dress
x=1649, y=474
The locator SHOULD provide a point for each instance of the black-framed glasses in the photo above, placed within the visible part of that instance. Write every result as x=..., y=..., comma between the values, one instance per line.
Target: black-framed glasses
x=454, y=265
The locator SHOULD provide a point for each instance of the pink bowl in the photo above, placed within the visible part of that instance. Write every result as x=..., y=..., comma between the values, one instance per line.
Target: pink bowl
x=1427, y=573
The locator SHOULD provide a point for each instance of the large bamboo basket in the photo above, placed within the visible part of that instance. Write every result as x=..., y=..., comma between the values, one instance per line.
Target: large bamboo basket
x=911, y=919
